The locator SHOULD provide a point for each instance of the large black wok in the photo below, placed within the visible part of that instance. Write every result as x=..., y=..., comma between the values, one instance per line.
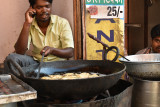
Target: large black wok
x=76, y=88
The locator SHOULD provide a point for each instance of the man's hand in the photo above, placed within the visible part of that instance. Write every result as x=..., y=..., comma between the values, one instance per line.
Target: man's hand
x=47, y=50
x=62, y=53
x=29, y=15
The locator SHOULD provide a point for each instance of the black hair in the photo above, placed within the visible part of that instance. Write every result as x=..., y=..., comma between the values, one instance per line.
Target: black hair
x=32, y=2
x=155, y=31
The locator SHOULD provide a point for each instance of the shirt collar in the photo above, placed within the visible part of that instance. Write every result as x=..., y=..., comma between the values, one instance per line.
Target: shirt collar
x=34, y=23
x=53, y=19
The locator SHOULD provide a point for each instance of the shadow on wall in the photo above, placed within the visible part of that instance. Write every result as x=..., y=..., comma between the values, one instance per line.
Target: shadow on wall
x=64, y=8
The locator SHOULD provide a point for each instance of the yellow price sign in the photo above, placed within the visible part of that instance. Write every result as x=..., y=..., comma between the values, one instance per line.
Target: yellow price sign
x=109, y=31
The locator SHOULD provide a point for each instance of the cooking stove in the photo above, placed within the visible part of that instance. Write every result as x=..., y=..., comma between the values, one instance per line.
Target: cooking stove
x=117, y=96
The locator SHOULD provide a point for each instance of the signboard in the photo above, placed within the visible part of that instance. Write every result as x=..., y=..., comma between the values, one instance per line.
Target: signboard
x=104, y=20
x=105, y=2
x=105, y=8
x=106, y=11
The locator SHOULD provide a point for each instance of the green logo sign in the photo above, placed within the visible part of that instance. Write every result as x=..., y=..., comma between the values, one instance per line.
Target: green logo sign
x=105, y=2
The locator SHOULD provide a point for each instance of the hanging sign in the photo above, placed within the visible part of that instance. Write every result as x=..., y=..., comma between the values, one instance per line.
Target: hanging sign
x=105, y=8
x=104, y=20
x=106, y=11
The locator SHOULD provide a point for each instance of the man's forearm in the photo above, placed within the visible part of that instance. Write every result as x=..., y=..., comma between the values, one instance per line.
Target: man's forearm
x=63, y=53
x=22, y=42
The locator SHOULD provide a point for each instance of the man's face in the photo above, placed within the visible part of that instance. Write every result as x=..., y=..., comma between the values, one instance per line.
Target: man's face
x=156, y=44
x=43, y=10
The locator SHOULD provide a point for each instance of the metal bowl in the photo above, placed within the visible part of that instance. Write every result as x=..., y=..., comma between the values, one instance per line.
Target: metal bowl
x=143, y=66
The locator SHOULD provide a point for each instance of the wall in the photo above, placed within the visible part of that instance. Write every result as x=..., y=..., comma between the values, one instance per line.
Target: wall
x=136, y=34
x=12, y=18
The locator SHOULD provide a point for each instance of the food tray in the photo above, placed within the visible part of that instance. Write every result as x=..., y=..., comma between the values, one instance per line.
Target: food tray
x=13, y=89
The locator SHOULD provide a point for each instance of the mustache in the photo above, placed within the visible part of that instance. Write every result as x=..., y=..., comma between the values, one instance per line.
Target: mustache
x=44, y=13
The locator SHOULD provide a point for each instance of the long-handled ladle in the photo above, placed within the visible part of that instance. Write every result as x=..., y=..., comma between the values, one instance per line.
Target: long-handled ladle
x=40, y=65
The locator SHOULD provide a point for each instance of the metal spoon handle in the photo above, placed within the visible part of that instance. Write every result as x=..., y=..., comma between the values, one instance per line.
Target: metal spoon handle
x=105, y=45
x=40, y=66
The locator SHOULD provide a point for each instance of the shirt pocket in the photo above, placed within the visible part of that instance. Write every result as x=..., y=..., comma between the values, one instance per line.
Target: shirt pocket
x=55, y=44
